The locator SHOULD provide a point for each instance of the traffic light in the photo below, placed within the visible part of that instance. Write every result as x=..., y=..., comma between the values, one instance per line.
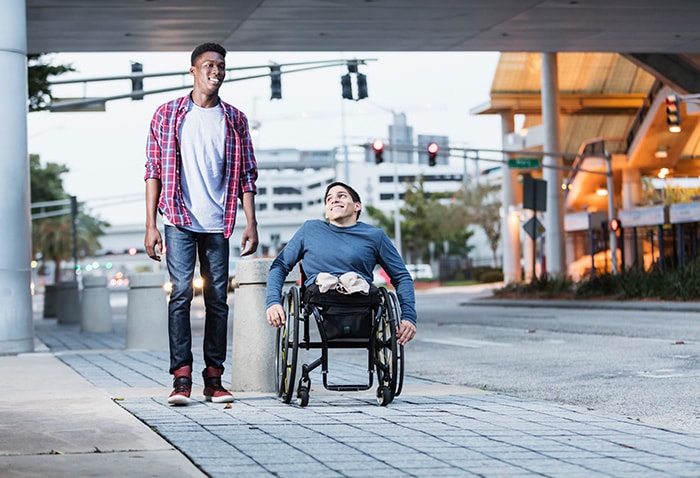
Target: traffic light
x=346, y=83
x=378, y=147
x=673, y=114
x=361, y=86
x=432, y=154
x=137, y=82
x=615, y=224
x=275, y=83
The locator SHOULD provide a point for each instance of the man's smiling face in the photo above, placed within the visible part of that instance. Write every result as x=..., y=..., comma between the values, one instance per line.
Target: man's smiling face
x=209, y=72
x=341, y=210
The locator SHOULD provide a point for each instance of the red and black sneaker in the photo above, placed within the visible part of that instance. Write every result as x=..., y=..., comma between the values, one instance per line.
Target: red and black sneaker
x=213, y=390
x=182, y=386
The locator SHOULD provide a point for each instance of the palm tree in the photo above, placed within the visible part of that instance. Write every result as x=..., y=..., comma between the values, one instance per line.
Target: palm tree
x=53, y=238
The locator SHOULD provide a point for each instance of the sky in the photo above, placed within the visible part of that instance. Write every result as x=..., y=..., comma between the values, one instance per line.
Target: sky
x=105, y=151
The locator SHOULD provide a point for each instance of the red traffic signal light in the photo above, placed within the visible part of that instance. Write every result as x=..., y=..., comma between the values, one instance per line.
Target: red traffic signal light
x=378, y=147
x=615, y=224
x=432, y=153
x=673, y=114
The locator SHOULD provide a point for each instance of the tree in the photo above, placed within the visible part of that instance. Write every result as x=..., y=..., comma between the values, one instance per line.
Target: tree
x=46, y=183
x=426, y=220
x=39, y=87
x=52, y=237
x=483, y=209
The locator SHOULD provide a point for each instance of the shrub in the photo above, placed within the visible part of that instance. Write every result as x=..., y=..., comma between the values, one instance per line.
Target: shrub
x=673, y=283
x=492, y=276
x=540, y=287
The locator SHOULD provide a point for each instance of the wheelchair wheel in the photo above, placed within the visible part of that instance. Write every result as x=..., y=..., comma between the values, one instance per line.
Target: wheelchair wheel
x=399, y=362
x=288, y=346
x=386, y=351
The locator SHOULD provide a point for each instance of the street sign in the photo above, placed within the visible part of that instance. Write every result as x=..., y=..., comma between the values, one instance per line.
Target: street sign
x=534, y=193
x=524, y=163
x=534, y=228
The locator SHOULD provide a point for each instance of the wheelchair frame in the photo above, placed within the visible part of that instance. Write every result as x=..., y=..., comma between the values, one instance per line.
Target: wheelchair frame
x=384, y=354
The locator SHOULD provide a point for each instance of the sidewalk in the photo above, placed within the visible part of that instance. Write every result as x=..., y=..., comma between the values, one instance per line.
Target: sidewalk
x=82, y=405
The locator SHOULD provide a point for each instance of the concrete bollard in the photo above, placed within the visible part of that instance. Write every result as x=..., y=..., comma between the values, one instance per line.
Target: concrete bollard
x=253, y=355
x=50, y=299
x=147, y=312
x=95, y=309
x=68, y=303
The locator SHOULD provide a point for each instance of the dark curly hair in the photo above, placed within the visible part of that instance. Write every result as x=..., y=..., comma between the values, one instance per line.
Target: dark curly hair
x=205, y=47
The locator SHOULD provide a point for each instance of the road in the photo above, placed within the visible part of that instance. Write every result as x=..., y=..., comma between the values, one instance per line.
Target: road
x=644, y=365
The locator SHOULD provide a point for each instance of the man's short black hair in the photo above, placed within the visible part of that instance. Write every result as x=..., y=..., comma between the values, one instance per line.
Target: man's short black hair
x=353, y=194
x=205, y=47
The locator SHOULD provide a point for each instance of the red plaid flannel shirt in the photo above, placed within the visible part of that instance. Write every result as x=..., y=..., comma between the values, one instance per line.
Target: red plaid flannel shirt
x=163, y=160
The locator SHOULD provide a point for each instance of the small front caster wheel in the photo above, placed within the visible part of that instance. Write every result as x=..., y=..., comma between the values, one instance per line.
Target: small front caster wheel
x=383, y=396
x=303, y=397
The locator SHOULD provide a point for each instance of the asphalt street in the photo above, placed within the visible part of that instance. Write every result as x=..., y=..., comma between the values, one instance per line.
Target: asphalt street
x=634, y=360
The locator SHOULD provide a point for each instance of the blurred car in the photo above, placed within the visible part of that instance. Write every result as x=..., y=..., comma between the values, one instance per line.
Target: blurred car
x=119, y=281
x=197, y=285
x=380, y=277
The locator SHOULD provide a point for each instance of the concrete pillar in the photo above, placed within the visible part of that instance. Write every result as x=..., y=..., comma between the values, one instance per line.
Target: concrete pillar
x=253, y=356
x=68, y=305
x=631, y=196
x=529, y=255
x=510, y=220
x=554, y=217
x=16, y=314
x=147, y=312
x=95, y=308
x=631, y=188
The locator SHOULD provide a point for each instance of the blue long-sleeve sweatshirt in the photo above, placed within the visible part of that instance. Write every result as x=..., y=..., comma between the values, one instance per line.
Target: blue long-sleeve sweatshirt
x=324, y=247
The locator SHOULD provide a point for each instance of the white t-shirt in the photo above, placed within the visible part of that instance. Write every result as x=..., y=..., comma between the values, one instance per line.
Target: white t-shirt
x=202, y=143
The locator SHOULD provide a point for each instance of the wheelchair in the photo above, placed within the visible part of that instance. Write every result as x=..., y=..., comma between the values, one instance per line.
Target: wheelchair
x=343, y=321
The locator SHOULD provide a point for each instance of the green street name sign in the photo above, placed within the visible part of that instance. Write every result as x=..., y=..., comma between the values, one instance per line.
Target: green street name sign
x=524, y=163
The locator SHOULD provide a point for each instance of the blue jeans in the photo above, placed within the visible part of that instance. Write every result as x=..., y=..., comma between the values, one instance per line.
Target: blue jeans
x=182, y=248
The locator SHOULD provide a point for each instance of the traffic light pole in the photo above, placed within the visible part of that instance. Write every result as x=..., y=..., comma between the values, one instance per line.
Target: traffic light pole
x=137, y=79
x=397, y=216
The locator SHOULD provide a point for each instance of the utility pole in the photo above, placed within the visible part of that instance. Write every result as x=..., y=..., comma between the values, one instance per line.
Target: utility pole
x=74, y=221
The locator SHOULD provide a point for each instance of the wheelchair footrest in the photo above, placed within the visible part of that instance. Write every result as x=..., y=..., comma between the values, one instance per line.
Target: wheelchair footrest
x=348, y=388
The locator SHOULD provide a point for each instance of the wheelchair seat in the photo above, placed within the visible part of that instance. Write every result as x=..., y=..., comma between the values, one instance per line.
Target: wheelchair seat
x=344, y=316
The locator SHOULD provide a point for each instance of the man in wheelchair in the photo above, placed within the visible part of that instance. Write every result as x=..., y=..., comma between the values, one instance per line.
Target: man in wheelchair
x=347, y=250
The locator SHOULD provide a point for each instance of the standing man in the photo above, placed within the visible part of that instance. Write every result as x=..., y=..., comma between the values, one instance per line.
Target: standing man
x=200, y=162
